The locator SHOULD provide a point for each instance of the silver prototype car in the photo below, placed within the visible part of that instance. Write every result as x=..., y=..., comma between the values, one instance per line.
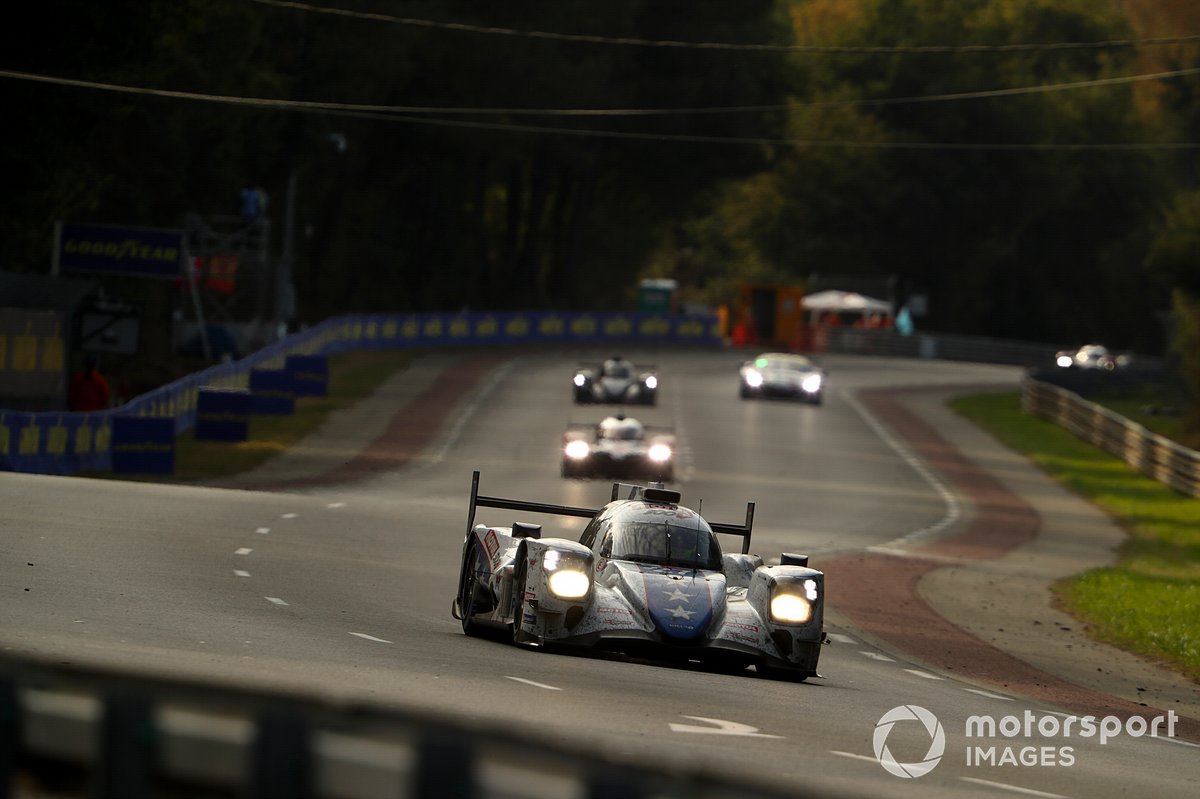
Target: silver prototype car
x=647, y=578
x=616, y=380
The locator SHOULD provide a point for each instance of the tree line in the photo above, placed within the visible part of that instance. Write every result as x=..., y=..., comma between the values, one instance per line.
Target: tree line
x=858, y=137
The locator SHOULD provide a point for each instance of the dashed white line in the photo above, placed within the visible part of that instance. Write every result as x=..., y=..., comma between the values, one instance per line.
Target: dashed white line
x=275, y=600
x=241, y=573
x=243, y=551
x=841, y=639
x=1013, y=788
x=372, y=638
x=534, y=684
x=289, y=515
x=924, y=674
x=989, y=694
x=336, y=505
x=263, y=530
x=853, y=756
x=877, y=656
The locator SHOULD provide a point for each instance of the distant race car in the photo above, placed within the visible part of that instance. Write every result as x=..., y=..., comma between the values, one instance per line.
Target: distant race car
x=616, y=380
x=647, y=578
x=1090, y=356
x=782, y=374
x=619, y=446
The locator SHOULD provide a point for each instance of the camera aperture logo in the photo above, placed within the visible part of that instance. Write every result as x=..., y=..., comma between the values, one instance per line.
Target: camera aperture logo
x=937, y=741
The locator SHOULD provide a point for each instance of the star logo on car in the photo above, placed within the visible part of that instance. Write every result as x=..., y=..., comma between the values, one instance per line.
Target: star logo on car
x=675, y=595
x=681, y=613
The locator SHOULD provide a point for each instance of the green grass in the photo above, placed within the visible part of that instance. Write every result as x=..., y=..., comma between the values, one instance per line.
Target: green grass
x=1149, y=602
x=352, y=376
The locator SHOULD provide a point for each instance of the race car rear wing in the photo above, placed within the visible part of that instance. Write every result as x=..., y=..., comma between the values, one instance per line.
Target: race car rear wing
x=515, y=504
x=619, y=490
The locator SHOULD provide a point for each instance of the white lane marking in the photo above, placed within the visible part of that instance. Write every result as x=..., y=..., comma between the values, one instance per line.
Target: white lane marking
x=263, y=530
x=289, y=515
x=241, y=573
x=989, y=694
x=275, y=600
x=877, y=656
x=372, y=638
x=854, y=756
x=465, y=415
x=1173, y=741
x=243, y=551
x=336, y=505
x=1013, y=788
x=720, y=727
x=534, y=684
x=841, y=639
x=953, y=510
x=924, y=674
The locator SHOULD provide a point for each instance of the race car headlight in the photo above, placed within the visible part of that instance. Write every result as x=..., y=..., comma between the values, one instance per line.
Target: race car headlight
x=651, y=382
x=580, y=380
x=754, y=379
x=569, y=584
x=577, y=450
x=811, y=383
x=791, y=609
x=1065, y=361
x=659, y=453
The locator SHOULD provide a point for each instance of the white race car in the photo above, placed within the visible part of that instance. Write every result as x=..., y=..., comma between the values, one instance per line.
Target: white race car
x=615, y=380
x=782, y=374
x=646, y=578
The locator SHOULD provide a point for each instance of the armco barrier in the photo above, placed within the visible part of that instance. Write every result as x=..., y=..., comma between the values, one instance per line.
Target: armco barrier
x=1151, y=454
x=136, y=737
x=66, y=443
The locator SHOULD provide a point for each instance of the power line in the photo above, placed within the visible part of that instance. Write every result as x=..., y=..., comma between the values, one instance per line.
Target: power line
x=398, y=114
x=732, y=46
x=317, y=105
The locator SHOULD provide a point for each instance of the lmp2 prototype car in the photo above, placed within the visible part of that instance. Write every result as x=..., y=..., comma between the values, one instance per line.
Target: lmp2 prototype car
x=782, y=374
x=616, y=380
x=619, y=446
x=647, y=578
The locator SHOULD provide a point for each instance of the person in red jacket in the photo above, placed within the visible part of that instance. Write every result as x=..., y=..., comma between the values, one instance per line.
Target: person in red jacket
x=89, y=389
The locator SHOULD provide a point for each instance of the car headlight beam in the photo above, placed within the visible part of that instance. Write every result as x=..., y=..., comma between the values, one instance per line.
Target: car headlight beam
x=811, y=383
x=652, y=382
x=754, y=379
x=660, y=453
x=580, y=380
x=791, y=609
x=577, y=449
x=569, y=584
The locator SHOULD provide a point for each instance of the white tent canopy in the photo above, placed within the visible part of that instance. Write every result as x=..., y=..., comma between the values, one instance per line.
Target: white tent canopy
x=845, y=301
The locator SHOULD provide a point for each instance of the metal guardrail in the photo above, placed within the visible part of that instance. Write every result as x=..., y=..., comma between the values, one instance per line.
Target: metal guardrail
x=1151, y=454
x=109, y=735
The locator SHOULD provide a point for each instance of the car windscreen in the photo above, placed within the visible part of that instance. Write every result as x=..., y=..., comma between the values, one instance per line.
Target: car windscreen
x=663, y=543
x=616, y=370
x=621, y=432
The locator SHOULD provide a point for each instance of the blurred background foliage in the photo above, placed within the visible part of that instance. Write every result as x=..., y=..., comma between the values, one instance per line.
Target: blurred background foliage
x=1061, y=215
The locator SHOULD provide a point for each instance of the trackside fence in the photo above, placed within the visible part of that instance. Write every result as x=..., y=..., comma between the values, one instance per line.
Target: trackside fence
x=66, y=443
x=1151, y=454
x=74, y=731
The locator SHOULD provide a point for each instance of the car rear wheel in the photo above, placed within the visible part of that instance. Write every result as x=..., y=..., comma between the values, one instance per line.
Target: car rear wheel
x=466, y=600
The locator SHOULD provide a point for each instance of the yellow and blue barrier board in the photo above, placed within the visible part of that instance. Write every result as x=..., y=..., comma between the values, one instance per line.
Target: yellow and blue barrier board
x=66, y=443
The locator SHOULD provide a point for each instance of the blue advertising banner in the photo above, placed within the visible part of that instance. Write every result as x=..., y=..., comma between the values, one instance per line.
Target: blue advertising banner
x=309, y=375
x=222, y=414
x=118, y=250
x=272, y=392
x=143, y=445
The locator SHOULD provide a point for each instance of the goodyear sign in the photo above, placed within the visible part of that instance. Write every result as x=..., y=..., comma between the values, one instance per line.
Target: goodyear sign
x=115, y=250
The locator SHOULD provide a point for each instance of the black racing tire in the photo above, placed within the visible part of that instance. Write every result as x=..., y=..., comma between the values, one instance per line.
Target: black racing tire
x=466, y=600
x=518, y=604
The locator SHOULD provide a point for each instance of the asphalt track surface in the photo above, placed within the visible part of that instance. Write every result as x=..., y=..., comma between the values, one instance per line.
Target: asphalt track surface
x=332, y=571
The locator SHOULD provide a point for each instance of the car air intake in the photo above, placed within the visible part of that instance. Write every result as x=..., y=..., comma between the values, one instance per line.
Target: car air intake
x=661, y=495
x=526, y=530
x=791, y=559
